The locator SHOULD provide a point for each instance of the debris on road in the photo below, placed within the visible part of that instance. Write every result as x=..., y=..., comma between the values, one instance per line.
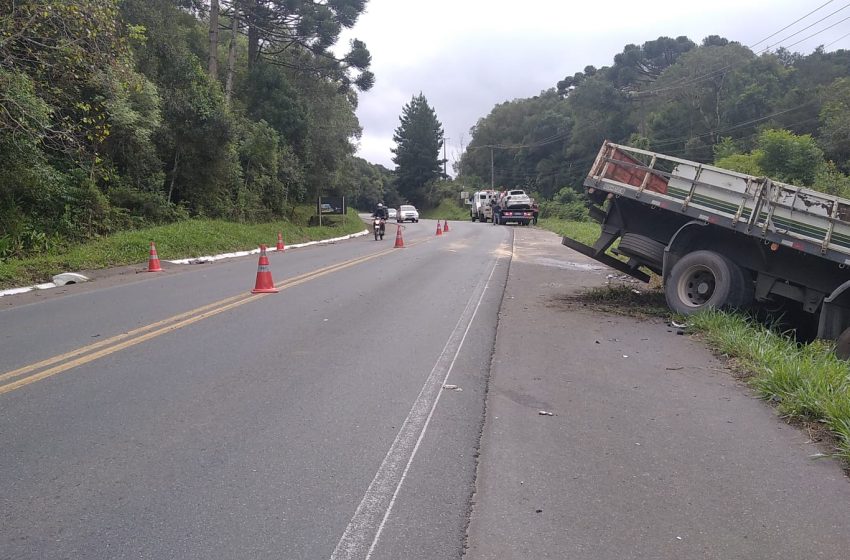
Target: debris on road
x=452, y=388
x=545, y=413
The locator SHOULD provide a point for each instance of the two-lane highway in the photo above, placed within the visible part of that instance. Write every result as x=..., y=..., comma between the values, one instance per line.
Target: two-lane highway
x=179, y=416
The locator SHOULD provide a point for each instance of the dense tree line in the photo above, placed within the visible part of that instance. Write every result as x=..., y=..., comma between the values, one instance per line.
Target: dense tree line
x=121, y=113
x=779, y=113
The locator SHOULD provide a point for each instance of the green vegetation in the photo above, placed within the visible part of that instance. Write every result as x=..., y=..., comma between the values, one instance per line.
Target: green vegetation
x=781, y=113
x=585, y=232
x=418, y=140
x=807, y=382
x=448, y=209
x=188, y=238
x=125, y=114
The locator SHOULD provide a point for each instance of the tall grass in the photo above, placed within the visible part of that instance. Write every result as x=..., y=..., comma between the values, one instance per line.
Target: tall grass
x=446, y=210
x=585, y=232
x=807, y=381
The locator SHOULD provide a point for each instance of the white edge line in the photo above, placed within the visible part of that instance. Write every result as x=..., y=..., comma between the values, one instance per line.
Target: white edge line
x=270, y=249
x=354, y=536
x=430, y=414
x=15, y=291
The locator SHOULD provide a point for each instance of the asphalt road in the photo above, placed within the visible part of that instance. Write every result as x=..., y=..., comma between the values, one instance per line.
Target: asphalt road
x=386, y=404
x=175, y=415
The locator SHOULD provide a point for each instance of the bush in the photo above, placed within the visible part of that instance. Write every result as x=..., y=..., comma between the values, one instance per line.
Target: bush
x=566, y=205
x=150, y=207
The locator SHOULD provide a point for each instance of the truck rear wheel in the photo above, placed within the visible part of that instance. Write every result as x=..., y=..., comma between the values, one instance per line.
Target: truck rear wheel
x=473, y=217
x=842, y=345
x=705, y=279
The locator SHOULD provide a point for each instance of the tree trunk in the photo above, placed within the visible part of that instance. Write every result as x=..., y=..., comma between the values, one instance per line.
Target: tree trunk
x=253, y=34
x=173, y=172
x=231, y=54
x=213, y=62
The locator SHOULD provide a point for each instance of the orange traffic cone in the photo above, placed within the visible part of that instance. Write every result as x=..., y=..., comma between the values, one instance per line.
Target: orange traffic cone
x=265, y=284
x=439, y=229
x=280, y=246
x=399, y=242
x=153, y=260
x=445, y=226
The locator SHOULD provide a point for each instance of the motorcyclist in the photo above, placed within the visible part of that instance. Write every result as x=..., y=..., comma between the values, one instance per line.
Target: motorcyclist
x=381, y=213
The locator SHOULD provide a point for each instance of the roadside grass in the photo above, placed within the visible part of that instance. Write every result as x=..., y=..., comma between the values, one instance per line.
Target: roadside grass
x=185, y=239
x=806, y=382
x=446, y=210
x=585, y=232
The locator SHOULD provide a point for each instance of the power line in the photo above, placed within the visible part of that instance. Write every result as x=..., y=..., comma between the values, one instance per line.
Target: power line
x=682, y=82
x=792, y=24
x=819, y=32
x=736, y=125
x=832, y=43
x=809, y=27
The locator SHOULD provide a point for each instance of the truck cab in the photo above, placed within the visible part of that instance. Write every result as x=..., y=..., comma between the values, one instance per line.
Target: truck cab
x=480, y=208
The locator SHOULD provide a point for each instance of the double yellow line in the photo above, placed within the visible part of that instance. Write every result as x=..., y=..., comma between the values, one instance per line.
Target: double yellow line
x=23, y=376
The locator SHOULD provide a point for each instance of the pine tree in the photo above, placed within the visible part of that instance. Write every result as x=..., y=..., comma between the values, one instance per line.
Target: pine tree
x=418, y=139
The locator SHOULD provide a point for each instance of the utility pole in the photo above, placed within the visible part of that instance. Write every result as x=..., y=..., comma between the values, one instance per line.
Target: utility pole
x=492, y=170
x=445, y=176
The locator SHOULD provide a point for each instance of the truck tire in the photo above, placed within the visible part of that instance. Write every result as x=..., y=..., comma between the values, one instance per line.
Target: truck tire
x=473, y=217
x=642, y=247
x=842, y=345
x=705, y=279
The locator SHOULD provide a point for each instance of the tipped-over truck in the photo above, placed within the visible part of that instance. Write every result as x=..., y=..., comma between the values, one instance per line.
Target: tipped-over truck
x=720, y=238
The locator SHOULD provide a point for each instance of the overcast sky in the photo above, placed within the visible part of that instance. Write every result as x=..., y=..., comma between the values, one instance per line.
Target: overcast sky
x=466, y=56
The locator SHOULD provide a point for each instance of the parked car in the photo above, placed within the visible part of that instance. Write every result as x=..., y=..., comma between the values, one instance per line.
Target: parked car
x=392, y=213
x=407, y=212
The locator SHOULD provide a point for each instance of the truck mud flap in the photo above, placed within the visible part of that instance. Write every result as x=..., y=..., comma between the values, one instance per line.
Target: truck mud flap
x=605, y=259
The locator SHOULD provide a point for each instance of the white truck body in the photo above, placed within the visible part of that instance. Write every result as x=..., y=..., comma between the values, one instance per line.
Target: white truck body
x=480, y=208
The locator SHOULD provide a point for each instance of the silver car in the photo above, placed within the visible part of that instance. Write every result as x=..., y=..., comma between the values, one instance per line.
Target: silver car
x=407, y=212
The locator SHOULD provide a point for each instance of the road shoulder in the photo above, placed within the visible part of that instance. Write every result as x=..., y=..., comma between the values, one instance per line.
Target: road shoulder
x=653, y=449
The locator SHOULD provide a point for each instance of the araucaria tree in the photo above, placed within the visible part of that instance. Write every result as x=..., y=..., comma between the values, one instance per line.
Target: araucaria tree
x=418, y=139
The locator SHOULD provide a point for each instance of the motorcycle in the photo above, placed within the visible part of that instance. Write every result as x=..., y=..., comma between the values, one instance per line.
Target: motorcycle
x=379, y=226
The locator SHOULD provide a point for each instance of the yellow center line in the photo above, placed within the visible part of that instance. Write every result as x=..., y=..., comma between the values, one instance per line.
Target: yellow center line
x=91, y=352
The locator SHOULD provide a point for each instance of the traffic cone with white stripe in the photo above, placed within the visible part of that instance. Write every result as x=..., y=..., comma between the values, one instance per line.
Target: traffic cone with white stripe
x=439, y=229
x=153, y=260
x=280, y=246
x=445, y=226
x=264, y=284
